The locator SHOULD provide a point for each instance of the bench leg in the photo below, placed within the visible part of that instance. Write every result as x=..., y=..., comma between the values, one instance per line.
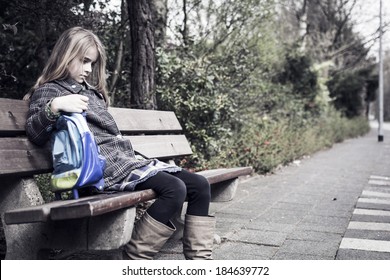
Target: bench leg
x=224, y=191
x=22, y=241
x=112, y=230
x=103, y=232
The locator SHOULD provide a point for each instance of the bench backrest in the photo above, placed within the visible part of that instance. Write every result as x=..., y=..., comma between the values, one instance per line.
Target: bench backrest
x=154, y=134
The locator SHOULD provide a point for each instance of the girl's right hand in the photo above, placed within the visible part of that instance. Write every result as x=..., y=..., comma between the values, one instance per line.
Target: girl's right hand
x=73, y=103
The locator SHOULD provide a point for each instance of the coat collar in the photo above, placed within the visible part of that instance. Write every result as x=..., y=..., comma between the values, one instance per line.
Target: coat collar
x=70, y=84
x=75, y=87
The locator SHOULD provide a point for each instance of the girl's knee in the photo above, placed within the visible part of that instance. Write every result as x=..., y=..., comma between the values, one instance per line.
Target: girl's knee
x=176, y=190
x=203, y=184
x=202, y=187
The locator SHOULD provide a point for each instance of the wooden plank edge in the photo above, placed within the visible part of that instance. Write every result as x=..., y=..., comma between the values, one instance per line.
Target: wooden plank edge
x=21, y=216
x=225, y=174
x=99, y=206
x=38, y=213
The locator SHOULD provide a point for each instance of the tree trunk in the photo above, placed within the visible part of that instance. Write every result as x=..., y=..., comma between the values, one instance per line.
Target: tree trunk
x=184, y=30
x=143, y=95
x=160, y=13
x=119, y=52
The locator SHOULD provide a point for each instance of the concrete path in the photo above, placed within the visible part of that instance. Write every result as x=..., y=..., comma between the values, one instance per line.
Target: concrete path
x=334, y=204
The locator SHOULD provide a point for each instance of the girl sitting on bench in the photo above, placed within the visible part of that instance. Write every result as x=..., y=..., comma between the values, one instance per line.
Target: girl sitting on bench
x=74, y=80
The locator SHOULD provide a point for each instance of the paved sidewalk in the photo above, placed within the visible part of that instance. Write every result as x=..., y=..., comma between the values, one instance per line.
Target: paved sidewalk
x=307, y=210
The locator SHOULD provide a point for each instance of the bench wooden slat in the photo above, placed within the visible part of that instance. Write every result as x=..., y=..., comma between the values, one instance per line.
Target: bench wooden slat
x=27, y=159
x=18, y=155
x=38, y=213
x=12, y=116
x=77, y=208
x=161, y=146
x=101, y=204
x=132, y=121
x=224, y=174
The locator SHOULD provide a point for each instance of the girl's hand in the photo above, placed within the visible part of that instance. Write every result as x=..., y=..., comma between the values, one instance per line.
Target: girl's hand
x=73, y=103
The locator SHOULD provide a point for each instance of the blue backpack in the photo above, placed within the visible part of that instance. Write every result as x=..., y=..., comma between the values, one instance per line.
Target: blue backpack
x=76, y=160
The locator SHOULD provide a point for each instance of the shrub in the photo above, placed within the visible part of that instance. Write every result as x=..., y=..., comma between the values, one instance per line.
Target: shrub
x=187, y=88
x=43, y=182
x=347, y=90
x=264, y=144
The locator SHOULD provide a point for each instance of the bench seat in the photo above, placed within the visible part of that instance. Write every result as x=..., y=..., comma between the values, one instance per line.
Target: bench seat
x=103, y=203
x=98, y=222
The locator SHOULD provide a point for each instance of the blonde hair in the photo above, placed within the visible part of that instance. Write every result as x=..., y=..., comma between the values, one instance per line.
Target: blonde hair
x=73, y=44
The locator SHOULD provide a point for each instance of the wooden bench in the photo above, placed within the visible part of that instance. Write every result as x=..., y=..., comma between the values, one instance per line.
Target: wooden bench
x=98, y=222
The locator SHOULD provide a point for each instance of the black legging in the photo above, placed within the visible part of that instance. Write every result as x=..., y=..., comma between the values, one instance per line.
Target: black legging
x=172, y=190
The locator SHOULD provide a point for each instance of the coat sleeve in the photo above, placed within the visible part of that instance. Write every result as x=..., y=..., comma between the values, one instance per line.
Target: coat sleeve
x=38, y=125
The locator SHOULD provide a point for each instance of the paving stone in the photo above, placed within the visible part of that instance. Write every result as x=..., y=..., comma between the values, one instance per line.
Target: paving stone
x=282, y=216
x=322, y=228
x=295, y=256
x=242, y=251
x=306, y=247
x=314, y=236
x=268, y=238
x=292, y=206
x=332, y=212
x=307, y=199
x=326, y=220
x=271, y=226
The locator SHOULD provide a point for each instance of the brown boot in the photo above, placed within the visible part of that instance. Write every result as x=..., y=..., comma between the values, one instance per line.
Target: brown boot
x=198, y=237
x=147, y=238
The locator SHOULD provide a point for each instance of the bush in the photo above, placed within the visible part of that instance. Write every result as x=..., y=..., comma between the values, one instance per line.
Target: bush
x=43, y=182
x=187, y=88
x=347, y=91
x=264, y=144
x=262, y=123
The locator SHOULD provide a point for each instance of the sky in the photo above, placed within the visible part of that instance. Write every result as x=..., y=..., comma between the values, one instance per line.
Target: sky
x=366, y=15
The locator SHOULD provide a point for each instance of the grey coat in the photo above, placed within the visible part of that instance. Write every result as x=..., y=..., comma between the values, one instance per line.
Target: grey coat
x=119, y=153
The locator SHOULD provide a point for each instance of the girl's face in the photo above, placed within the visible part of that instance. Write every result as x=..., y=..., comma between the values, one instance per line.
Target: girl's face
x=80, y=67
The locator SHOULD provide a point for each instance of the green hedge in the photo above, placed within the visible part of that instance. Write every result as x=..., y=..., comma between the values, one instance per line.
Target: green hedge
x=264, y=144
